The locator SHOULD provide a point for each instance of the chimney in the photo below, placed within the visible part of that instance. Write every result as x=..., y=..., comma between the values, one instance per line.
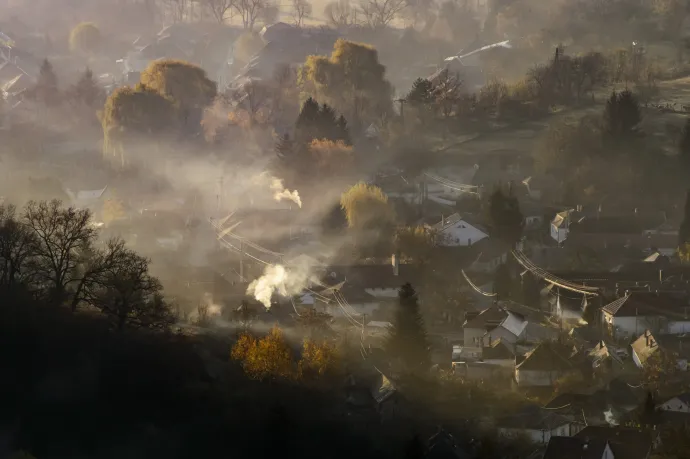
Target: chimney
x=395, y=261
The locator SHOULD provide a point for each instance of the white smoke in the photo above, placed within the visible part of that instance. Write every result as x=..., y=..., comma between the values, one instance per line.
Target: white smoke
x=279, y=191
x=281, y=280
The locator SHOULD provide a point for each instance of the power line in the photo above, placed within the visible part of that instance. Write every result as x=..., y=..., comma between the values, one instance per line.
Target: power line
x=476, y=289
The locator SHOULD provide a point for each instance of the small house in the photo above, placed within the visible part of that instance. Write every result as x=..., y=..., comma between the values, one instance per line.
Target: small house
x=676, y=347
x=456, y=231
x=537, y=424
x=544, y=365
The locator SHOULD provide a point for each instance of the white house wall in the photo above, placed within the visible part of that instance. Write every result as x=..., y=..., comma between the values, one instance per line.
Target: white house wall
x=537, y=436
x=678, y=327
x=473, y=336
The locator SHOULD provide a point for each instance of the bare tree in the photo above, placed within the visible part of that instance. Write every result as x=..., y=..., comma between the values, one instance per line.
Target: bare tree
x=379, y=13
x=62, y=237
x=340, y=13
x=300, y=10
x=219, y=8
x=16, y=241
x=255, y=99
x=250, y=11
x=130, y=295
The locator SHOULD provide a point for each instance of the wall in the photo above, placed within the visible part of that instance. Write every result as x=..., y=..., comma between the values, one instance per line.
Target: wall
x=499, y=332
x=505, y=363
x=678, y=327
x=473, y=335
x=526, y=378
x=489, y=266
x=383, y=292
x=537, y=436
x=559, y=234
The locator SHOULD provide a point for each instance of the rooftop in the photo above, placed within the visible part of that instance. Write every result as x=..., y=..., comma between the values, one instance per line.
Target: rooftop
x=575, y=448
x=649, y=304
x=532, y=417
x=547, y=356
x=625, y=442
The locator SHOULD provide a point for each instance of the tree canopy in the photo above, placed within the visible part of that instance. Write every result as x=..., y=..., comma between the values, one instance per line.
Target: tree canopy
x=507, y=221
x=185, y=84
x=85, y=38
x=366, y=206
x=351, y=80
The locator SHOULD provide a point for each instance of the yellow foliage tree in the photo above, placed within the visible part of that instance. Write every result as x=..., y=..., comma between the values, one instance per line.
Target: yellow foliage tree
x=85, y=38
x=414, y=243
x=185, y=84
x=366, y=206
x=331, y=157
x=112, y=210
x=319, y=360
x=131, y=112
x=266, y=358
x=351, y=80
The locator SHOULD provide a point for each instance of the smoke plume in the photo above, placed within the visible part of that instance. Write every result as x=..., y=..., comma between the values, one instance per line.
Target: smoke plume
x=281, y=280
x=280, y=192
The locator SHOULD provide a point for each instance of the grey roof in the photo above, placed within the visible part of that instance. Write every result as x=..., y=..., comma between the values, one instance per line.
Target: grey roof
x=533, y=417
x=574, y=448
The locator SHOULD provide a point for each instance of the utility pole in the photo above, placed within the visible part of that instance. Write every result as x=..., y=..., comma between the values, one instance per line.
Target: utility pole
x=219, y=195
x=402, y=110
x=241, y=260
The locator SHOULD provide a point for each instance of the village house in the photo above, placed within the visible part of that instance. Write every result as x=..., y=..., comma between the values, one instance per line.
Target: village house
x=490, y=253
x=536, y=424
x=648, y=345
x=662, y=313
x=678, y=404
x=577, y=448
x=476, y=326
x=545, y=364
x=456, y=231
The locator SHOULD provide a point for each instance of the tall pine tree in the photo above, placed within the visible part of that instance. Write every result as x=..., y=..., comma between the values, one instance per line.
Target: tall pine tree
x=684, y=149
x=621, y=116
x=407, y=341
x=87, y=90
x=507, y=221
x=684, y=230
x=421, y=92
x=503, y=282
x=46, y=88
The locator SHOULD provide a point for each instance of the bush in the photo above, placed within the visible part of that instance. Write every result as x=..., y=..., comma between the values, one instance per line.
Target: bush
x=85, y=38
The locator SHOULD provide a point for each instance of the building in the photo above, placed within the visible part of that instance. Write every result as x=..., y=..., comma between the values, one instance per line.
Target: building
x=577, y=448
x=662, y=313
x=624, y=442
x=678, y=404
x=490, y=254
x=456, y=231
x=544, y=365
x=536, y=424
x=675, y=347
x=476, y=326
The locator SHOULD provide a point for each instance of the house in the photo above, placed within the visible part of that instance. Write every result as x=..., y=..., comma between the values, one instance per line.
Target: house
x=605, y=406
x=647, y=345
x=544, y=365
x=476, y=326
x=491, y=253
x=456, y=231
x=537, y=424
x=662, y=313
x=86, y=198
x=560, y=225
x=678, y=404
x=442, y=445
x=499, y=353
x=604, y=358
x=624, y=442
x=577, y=448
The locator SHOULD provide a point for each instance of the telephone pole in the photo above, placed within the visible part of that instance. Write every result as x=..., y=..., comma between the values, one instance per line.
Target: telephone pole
x=402, y=110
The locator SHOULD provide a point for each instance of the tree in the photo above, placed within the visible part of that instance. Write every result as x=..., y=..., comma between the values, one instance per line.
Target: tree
x=87, y=91
x=247, y=45
x=269, y=14
x=531, y=294
x=131, y=113
x=331, y=158
x=316, y=122
x=340, y=13
x=16, y=244
x=351, y=80
x=62, y=237
x=319, y=360
x=219, y=8
x=684, y=147
x=285, y=148
x=659, y=369
x=265, y=358
x=507, y=221
x=503, y=282
x=407, y=341
x=621, y=116
x=366, y=205
x=300, y=9
x=421, y=93
x=414, y=449
x=379, y=13
x=250, y=11
x=125, y=291
x=85, y=38
x=415, y=243
x=46, y=88
x=183, y=83
x=253, y=102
